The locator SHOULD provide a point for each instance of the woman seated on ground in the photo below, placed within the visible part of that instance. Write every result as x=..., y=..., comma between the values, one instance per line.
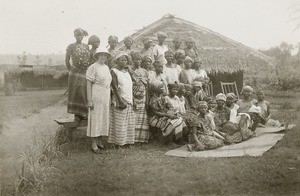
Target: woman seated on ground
x=203, y=136
x=246, y=102
x=230, y=103
x=221, y=112
x=242, y=128
x=265, y=115
x=163, y=116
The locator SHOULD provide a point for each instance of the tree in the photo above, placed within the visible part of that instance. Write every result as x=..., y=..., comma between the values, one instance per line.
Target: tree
x=37, y=60
x=22, y=60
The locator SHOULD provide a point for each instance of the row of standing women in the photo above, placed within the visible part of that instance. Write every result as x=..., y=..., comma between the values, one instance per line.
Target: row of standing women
x=123, y=99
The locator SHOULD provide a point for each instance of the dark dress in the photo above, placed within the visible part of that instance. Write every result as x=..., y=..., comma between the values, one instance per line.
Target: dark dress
x=77, y=93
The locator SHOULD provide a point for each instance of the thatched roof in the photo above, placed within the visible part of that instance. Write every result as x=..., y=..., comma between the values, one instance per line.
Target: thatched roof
x=217, y=52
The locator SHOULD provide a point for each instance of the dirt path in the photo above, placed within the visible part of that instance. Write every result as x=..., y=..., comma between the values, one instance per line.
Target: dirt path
x=17, y=135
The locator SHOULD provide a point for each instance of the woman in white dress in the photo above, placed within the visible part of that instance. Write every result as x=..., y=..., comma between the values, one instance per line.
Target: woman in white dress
x=98, y=94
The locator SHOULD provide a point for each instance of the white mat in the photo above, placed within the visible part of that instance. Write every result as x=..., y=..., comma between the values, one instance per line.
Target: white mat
x=266, y=138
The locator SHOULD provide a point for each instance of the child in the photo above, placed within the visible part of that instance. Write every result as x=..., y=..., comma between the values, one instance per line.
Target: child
x=187, y=75
x=198, y=91
x=190, y=49
x=98, y=96
x=265, y=115
x=122, y=124
x=94, y=41
x=160, y=49
x=140, y=94
x=147, y=50
x=80, y=55
x=162, y=115
x=128, y=41
x=171, y=70
x=147, y=63
x=179, y=58
x=190, y=98
x=180, y=95
x=177, y=45
x=112, y=43
x=158, y=75
x=203, y=136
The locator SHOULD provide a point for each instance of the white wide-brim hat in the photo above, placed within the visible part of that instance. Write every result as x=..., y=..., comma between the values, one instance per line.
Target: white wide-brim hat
x=101, y=50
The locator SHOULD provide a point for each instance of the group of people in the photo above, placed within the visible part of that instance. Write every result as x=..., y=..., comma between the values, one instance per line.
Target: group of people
x=131, y=95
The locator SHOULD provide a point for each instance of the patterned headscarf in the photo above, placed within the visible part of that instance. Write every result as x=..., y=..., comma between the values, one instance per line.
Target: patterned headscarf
x=221, y=97
x=135, y=55
x=232, y=95
x=247, y=88
x=93, y=39
x=202, y=104
x=80, y=31
x=147, y=57
x=146, y=40
x=187, y=87
x=197, y=83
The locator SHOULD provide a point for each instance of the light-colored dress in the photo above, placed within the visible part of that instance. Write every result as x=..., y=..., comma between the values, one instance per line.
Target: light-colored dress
x=122, y=122
x=98, y=120
x=172, y=73
x=159, y=53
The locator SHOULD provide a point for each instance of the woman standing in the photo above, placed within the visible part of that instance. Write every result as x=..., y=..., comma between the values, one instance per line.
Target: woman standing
x=122, y=124
x=140, y=94
x=94, y=41
x=98, y=95
x=80, y=55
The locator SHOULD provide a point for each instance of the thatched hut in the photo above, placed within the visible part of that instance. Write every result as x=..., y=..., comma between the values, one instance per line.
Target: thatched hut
x=224, y=59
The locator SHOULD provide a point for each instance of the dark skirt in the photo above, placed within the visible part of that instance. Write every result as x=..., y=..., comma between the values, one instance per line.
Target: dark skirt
x=77, y=93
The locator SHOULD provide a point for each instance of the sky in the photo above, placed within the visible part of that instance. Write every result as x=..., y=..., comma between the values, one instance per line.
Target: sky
x=46, y=26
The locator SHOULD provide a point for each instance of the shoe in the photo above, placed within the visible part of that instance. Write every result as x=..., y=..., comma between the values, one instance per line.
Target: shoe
x=98, y=151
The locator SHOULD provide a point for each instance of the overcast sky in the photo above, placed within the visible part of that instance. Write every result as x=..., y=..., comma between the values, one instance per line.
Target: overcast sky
x=46, y=26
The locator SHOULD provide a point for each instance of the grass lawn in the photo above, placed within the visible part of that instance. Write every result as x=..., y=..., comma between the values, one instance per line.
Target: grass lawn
x=145, y=170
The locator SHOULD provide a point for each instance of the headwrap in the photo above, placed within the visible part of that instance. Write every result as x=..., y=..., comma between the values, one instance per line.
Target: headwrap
x=80, y=31
x=120, y=54
x=135, y=55
x=187, y=58
x=171, y=86
x=169, y=51
x=232, y=95
x=112, y=38
x=161, y=34
x=93, y=39
x=202, y=104
x=247, y=88
x=197, y=83
x=198, y=60
x=128, y=38
x=255, y=109
x=147, y=57
x=178, y=53
x=187, y=87
x=221, y=97
x=146, y=40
